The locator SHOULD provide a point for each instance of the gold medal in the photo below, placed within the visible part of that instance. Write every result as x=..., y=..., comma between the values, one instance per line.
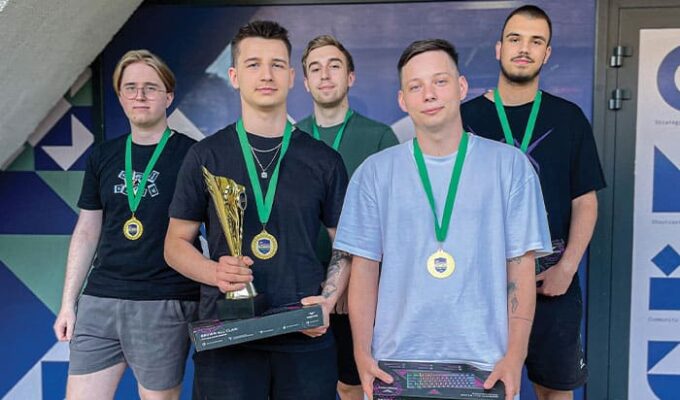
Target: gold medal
x=133, y=228
x=264, y=245
x=441, y=264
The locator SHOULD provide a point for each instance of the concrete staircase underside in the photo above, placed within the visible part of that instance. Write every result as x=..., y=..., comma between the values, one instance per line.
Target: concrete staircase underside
x=44, y=46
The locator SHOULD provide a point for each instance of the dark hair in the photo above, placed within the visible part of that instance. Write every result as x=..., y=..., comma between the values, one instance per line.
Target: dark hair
x=326, y=40
x=530, y=11
x=423, y=46
x=259, y=29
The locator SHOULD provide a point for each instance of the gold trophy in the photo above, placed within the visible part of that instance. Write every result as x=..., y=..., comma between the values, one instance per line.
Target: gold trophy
x=244, y=314
x=230, y=201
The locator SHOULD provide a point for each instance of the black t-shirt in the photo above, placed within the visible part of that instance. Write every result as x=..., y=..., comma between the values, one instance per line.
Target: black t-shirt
x=562, y=150
x=134, y=269
x=311, y=188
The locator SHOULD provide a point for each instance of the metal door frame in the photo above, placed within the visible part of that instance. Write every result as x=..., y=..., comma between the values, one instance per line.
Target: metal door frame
x=608, y=320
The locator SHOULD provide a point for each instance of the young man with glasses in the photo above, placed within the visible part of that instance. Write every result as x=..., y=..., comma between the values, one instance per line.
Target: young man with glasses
x=329, y=73
x=558, y=140
x=134, y=309
x=305, y=184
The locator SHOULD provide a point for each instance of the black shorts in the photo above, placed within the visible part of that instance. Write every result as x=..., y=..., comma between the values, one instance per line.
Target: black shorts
x=555, y=359
x=239, y=373
x=347, y=367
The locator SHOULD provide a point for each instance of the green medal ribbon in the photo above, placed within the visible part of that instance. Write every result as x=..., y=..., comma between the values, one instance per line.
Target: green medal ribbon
x=338, y=136
x=262, y=203
x=135, y=198
x=528, y=131
x=442, y=229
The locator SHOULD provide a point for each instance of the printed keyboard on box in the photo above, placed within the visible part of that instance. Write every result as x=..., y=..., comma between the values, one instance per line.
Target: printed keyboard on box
x=426, y=380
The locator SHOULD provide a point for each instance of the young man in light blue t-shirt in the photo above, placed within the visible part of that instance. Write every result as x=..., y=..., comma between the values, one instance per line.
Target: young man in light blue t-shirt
x=456, y=232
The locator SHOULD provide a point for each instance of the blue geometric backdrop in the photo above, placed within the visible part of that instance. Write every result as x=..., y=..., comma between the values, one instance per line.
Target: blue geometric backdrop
x=40, y=189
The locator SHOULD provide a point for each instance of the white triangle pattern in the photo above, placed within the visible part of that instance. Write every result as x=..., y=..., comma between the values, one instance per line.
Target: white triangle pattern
x=30, y=385
x=669, y=365
x=81, y=140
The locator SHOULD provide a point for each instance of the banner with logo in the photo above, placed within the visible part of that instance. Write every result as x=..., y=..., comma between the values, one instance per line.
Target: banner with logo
x=654, y=370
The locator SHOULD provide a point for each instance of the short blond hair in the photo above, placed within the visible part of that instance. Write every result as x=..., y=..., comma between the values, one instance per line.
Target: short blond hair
x=148, y=58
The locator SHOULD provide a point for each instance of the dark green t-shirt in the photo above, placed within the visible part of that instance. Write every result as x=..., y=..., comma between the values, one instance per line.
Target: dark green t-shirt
x=362, y=137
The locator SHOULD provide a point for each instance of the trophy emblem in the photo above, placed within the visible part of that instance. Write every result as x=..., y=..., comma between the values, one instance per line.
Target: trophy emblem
x=230, y=201
x=441, y=264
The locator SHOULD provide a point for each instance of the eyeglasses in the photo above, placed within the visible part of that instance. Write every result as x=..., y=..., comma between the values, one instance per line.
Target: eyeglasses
x=148, y=91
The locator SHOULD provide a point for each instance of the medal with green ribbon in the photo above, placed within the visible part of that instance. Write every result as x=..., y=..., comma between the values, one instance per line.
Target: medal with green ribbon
x=338, y=136
x=528, y=131
x=133, y=228
x=441, y=264
x=264, y=244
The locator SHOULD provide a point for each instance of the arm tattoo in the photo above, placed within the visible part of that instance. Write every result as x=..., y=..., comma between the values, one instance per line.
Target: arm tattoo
x=512, y=296
x=339, y=260
x=515, y=260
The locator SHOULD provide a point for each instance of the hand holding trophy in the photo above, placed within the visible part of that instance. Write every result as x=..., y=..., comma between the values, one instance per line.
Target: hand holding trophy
x=230, y=201
x=243, y=314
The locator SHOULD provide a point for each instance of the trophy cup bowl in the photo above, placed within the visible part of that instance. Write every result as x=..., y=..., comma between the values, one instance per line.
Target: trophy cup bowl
x=230, y=201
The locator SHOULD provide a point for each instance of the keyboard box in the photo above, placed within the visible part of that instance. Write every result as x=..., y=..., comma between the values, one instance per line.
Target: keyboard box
x=415, y=380
x=213, y=334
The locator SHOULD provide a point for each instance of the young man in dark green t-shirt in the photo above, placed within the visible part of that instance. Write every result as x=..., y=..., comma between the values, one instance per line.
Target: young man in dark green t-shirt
x=328, y=74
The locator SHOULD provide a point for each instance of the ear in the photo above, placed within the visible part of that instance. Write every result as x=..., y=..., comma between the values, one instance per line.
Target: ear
x=463, y=87
x=498, y=50
x=292, y=78
x=548, y=51
x=400, y=99
x=169, y=97
x=233, y=77
x=306, y=83
x=350, y=79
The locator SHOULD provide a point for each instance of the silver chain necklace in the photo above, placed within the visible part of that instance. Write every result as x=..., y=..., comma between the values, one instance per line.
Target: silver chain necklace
x=268, y=150
x=264, y=174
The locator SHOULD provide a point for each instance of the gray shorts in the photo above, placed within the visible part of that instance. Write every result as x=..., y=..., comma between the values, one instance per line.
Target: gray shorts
x=150, y=336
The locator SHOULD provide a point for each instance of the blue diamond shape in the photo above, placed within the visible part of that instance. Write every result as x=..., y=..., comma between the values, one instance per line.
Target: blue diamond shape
x=667, y=260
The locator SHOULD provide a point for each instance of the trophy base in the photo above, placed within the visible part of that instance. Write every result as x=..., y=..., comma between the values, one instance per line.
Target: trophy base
x=213, y=334
x=229, y=310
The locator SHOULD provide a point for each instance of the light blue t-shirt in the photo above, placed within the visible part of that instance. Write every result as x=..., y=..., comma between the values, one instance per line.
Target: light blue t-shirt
x=498, y=214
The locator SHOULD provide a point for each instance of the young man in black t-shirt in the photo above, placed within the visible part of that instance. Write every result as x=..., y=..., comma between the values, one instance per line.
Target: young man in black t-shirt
x=562, y=149
x=132, y=298
x=329, y=73
x=309, y=192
